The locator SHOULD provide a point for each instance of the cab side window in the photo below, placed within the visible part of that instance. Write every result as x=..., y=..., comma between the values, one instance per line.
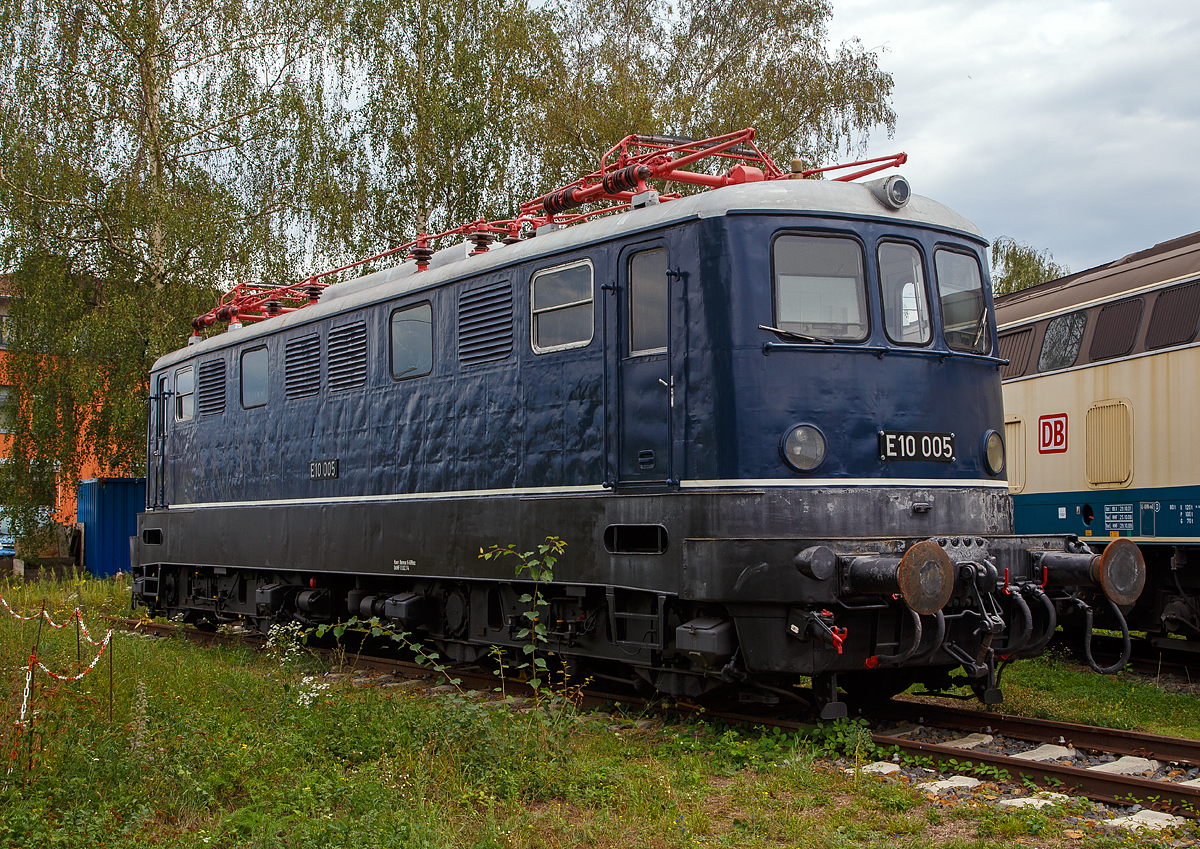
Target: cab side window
x=964, y=309
x=562, y=307
x=185, y=394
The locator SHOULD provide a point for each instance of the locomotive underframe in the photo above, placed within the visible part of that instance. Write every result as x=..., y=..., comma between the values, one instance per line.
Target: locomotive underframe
x=714, y=596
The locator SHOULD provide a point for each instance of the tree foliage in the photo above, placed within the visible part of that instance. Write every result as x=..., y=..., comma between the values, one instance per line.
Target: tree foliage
x=1017, y=266
x=700, y=69
x=155, y=152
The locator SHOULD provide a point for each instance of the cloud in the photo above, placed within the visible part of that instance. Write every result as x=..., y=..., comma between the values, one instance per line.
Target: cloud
x=1070, y=125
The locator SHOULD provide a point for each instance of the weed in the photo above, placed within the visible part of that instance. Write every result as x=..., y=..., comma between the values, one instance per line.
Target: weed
x=540, y=566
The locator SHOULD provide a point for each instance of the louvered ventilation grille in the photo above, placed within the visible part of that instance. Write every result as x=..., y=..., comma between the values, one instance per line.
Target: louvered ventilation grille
x=1109, y=443
x=1116, y=329
x=1173, y=322
x=212, y=388
x=302, y=367
x=1014, y=454
x=347, y=357
x=485, y=324
x=1015, y=348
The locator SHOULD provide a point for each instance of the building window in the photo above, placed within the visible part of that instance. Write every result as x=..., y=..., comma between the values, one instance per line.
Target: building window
x=562, y=308
x=820, y=288
x=254, y=377
x=964, y=310
x=412, y=342
x=185, y=394
x=1060, y=347
x=905, y=303
x=5, y=418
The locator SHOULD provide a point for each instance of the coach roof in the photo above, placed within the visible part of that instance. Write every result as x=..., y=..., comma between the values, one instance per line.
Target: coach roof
x=779, y=197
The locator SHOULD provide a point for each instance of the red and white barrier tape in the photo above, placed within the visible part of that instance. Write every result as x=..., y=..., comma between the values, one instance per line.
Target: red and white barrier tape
x=75, y=614
x=103, y=646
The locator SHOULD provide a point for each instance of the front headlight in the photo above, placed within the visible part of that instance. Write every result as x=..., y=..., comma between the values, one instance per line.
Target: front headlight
x=993, y=452
x=803, y=447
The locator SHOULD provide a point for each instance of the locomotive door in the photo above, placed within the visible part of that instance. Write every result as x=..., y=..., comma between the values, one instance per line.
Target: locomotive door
x=644, y=374
x=160, y=410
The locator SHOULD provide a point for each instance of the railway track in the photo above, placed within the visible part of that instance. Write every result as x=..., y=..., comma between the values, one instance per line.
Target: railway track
x=1174, y=797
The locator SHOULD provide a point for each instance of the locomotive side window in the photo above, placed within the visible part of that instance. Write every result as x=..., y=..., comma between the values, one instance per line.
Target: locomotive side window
x=964, y=310
x=1173, y=321
x=302, y=367
x=254, y=377
x=562, y=307
x=820, y=288
x=648, y=302
x=1116, y=329
x=185, y=394
x=211, y=395
x=412, y=341
x=347, y=357
x=905, y=304
x=1016, y=348
x=1060, y=347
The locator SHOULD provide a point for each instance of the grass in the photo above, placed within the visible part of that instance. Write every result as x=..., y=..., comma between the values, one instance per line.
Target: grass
x=1055, y=687
x=219, y=747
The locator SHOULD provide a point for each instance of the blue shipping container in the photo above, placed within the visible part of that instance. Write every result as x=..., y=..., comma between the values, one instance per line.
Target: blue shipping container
x=108, y=509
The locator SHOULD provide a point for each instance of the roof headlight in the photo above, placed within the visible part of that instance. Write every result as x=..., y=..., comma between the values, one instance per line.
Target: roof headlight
x=803, y=447
x=893, y=192
x=993, y=452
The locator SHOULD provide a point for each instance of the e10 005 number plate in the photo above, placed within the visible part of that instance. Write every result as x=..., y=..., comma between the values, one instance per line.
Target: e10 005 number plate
x=935, y=447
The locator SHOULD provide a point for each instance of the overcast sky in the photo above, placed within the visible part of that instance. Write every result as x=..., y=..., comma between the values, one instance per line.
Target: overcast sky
x=1067, y=124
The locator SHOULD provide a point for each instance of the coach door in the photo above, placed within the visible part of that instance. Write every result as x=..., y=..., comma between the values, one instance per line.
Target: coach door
x=645, y=387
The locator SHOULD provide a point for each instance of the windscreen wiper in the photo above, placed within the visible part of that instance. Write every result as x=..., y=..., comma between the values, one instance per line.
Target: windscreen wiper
x=799, y=336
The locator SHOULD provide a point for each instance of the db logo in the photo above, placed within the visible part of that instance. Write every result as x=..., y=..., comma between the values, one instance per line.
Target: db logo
x=1052, y=434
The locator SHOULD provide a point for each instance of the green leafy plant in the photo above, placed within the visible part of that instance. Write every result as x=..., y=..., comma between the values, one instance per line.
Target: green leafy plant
x=538, y=566
x=373, y=627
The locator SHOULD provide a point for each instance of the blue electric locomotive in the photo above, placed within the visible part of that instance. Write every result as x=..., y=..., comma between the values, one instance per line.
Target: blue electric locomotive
x=766, y=419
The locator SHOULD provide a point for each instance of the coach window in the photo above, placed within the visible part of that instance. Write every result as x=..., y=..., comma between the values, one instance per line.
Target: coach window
x=412, y=342
x=185, y=394
x=1060, y=347
x=648, y=302
x=964, y=310
x=820, y=288
x=562, y=307
x=254, y=377
x=905, y=304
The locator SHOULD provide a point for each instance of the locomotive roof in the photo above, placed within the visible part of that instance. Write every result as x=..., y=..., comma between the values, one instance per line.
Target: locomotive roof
x=1166, y=262
x=819, y=197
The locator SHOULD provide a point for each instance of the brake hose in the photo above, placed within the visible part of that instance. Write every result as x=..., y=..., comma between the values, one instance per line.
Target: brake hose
x=1127, y=646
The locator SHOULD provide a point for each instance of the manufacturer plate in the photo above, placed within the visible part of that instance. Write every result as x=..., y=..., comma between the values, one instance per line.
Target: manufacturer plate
x=910, y=445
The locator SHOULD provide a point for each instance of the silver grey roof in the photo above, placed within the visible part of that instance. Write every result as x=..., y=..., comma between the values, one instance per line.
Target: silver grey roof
x=795, y=196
